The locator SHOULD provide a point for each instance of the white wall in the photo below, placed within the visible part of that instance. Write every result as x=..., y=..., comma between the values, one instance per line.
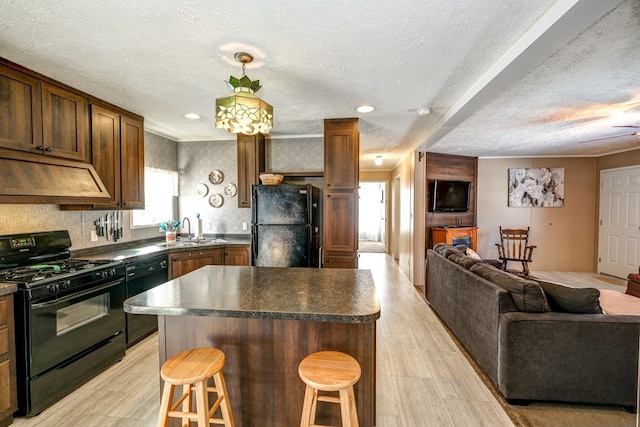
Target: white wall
x=565, y=236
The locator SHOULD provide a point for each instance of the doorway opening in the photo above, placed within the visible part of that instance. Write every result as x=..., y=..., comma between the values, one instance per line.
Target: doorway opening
x=372, y=217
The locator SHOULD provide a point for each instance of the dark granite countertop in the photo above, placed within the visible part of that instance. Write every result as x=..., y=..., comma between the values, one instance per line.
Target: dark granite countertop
x=7, y=288
x=310, y=294
x=133, y=251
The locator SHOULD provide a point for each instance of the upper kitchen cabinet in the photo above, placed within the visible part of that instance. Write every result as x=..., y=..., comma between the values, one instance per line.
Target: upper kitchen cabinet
x=39, y=117
x=251, y=162
x=44, y=151
x=341, y=169
x=341, y=154
x=117, y=154
x=20, y=110
x=65, y=123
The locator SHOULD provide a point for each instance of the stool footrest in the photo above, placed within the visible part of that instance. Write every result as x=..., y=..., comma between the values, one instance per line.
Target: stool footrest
x=331, y=399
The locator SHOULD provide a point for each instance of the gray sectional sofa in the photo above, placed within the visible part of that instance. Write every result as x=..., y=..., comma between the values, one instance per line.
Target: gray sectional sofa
x=534, y=340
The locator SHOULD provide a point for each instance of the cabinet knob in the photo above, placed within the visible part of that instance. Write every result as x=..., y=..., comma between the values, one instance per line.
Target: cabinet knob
x=40, y=147
x=48, y=149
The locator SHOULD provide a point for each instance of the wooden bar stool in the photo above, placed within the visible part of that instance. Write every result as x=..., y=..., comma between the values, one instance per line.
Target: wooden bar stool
x=329, y=371
x=192, y=369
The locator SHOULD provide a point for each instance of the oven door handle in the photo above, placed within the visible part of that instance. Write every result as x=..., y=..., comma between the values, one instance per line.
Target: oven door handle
x=77, y=294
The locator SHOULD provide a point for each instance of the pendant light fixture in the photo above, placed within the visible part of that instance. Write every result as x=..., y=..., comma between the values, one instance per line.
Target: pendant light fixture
x=243, y=112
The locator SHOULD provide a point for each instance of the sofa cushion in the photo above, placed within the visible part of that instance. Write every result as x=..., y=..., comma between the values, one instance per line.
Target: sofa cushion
x=463, y=260
x=566, y=299
x=527, y=295
x=445, y=250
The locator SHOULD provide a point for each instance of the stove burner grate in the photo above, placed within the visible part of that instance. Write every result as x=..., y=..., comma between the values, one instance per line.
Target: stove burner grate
x=33, y=273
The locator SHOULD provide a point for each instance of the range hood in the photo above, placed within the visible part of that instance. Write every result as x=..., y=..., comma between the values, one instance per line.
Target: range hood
x=37, y=178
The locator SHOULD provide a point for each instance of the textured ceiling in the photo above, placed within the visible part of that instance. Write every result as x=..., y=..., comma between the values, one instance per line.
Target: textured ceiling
x=503, y=77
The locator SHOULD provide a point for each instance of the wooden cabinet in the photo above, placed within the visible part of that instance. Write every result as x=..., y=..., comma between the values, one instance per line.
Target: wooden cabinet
x=65, y=123
x=8, y=393
x=251, y=162
x=20, y=110
x=131, y=162
x=40, y=117
x=117, y=154
x=237, y=256
x=183, y=262
x=341, y=169
x=455, y=236
x=341, y=154
x=45, y=146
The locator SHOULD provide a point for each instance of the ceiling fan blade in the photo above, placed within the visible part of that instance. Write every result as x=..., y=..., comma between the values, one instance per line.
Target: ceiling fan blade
x=609, y=137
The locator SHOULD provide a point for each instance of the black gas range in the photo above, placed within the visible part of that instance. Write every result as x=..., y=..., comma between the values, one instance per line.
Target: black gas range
x=69, y=320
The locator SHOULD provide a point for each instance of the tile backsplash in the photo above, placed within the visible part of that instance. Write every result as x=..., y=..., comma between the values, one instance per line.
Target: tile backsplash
x=15, y=219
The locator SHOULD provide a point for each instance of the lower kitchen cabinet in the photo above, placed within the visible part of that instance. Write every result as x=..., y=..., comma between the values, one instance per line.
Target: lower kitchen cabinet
x=236, y=256
x=340, y=260
x=181, y=263
x=8, y=393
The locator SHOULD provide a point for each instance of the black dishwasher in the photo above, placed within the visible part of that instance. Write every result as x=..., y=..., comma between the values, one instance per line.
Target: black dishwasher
x=142, y=275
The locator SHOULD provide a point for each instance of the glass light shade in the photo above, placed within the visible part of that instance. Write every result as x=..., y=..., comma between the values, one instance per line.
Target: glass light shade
x=378, y=160
x=243, y=112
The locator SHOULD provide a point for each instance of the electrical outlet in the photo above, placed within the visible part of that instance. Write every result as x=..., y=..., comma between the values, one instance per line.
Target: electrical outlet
x=94, y=236
x=245, y=226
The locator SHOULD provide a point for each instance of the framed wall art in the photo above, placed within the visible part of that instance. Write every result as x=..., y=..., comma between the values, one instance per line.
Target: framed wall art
x=536, y=187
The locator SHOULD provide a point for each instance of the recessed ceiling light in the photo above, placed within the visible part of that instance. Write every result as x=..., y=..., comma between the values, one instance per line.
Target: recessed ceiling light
x=192, y=116
x=365, y=109
x=378, y=160
x=423, y=111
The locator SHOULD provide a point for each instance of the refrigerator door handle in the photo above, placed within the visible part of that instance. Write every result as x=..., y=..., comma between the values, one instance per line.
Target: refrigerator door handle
x=254, y=243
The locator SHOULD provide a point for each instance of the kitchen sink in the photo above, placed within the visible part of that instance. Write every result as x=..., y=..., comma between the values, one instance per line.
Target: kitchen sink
x=182, y=244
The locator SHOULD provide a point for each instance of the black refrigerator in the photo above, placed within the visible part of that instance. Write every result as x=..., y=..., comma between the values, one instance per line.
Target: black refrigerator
x=285, y=225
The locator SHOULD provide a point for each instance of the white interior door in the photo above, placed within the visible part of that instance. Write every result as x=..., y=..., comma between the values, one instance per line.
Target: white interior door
x=619, y=236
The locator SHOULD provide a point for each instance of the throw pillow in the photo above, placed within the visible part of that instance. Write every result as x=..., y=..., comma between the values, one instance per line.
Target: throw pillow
x=445, y=250
x=472, y=254
x=633, y=285
x=463, y=260
x=527, y=295
x=571, y=300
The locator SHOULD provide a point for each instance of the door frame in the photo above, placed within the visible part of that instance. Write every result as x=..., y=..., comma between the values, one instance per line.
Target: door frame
x=601, y=201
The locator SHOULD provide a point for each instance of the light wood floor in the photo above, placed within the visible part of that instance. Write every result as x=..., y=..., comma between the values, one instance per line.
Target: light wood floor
x=422, y=378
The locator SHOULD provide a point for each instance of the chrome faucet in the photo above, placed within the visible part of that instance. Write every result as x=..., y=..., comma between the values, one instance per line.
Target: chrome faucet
x=187, y=221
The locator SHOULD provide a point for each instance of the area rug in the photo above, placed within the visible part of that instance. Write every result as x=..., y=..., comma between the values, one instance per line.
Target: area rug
x=545, y=414
x=370, y=246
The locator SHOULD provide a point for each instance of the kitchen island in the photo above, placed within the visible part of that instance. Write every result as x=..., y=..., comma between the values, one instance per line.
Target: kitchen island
x=266, y=320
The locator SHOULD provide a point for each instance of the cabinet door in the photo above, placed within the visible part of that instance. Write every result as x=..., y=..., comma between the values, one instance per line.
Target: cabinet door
x=132, y=162
x=341, y=221
x=236, y=256
x=105, y=151
x=20, y=112
x=341, y=154
x=340, y=260
x=250, y=164
x=65, y=123
x=185, y=262
x=8, y=381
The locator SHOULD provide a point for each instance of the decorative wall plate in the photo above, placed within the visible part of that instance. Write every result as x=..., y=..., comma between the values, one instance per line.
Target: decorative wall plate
x=216, y=200
x=216, y=177
x=202, y=190
x=230, y=190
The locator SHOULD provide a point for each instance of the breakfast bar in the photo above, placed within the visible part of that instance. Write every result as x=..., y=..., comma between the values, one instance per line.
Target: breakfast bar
x=266, y=320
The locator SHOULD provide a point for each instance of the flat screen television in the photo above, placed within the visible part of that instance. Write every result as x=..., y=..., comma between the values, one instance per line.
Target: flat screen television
x=450, y=196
